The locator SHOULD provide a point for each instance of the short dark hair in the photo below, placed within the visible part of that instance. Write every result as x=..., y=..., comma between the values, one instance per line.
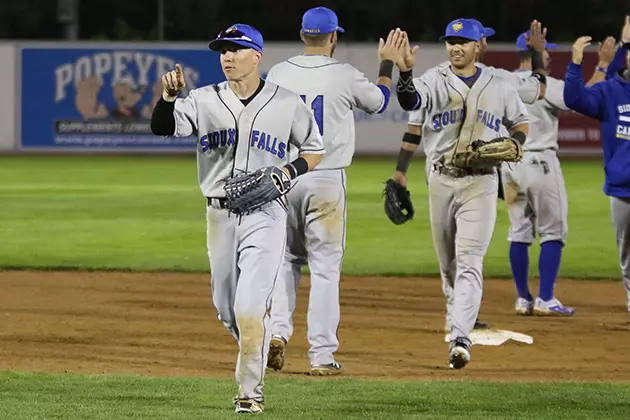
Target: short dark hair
x=318, y=40
x=524, y=55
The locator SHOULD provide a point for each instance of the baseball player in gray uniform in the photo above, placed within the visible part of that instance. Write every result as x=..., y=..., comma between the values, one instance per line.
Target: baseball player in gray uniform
x=536, y=196
x=242, y=125
x=317, y=204
x=530, y=89
x=465, y=107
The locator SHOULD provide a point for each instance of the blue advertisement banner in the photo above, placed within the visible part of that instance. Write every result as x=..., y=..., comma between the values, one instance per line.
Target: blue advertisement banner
x=103, y=98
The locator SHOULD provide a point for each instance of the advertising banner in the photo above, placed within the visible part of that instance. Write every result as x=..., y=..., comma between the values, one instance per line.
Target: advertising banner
x=103, y=98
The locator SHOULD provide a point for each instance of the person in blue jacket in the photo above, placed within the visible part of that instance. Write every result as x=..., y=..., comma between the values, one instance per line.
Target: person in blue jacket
x=609, y=102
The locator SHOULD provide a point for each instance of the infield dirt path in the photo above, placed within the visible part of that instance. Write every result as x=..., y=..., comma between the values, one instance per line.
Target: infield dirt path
x=165, y=325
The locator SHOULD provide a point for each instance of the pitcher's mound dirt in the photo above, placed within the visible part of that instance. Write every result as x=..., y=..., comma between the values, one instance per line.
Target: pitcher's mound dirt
x=165, y=325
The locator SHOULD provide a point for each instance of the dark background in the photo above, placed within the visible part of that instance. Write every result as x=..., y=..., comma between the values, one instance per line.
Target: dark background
x=279, y=20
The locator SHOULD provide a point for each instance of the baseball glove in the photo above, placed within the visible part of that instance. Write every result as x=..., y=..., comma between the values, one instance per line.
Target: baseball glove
x=398, y=206
x=492, y=152
x=248, y=192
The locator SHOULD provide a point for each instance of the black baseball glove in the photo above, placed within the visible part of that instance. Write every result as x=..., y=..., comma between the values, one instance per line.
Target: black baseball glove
x=248, y=192
x=398, y=206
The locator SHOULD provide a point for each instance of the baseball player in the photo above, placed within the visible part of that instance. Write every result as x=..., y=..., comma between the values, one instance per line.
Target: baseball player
x=536, y=195
x=609, y=102
x=244, y=125
x=317, y=204
x=529, y=89
x=464, y=108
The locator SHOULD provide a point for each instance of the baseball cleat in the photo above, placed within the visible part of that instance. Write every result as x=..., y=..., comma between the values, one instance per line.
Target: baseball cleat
x=552, y=307
x=275, y=359
x=247, y=406
x=524, y=306
x=459, y=355
x=333, y=368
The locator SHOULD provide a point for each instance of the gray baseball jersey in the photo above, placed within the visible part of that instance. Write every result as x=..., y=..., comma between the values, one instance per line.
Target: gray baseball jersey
x=453, y=116
x=463, y=209
x=332, y=90
x=317, y=205
x=234, y=138
x=535, y=188
x=245, y=252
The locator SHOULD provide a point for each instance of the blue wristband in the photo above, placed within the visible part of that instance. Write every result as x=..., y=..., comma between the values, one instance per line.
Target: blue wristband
x=602, y=69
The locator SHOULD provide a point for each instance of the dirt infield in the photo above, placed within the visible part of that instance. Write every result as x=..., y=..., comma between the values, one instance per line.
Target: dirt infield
x=165, y=325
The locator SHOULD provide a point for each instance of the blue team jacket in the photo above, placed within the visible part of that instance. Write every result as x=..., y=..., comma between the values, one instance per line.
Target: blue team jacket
x=608, y=102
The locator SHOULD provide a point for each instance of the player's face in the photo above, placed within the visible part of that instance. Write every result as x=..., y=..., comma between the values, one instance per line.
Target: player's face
x=238, y=62
x=461, y=51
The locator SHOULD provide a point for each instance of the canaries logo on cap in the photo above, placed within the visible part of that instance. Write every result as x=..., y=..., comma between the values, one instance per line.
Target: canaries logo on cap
x=457, y=26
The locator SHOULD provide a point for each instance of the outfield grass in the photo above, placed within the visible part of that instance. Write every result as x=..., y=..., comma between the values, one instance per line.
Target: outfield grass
x=147, y=213
x=51, y=397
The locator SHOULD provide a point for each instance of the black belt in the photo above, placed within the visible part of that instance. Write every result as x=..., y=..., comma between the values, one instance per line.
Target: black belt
x=221, y=200
x=462, y=172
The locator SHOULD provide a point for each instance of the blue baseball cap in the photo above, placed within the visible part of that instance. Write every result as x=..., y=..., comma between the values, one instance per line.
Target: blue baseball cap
x=240, y=34
x=521, y=42
x=463, y=28
x=320, y=20
x=485, y=32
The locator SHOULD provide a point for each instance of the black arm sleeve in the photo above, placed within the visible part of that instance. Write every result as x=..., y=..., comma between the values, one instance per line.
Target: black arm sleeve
x=408, y=97
x=162, y=118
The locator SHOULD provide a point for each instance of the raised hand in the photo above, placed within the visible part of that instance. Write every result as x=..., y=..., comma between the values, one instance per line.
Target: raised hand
x=391, y=49
x=578, y=48
x=173, y=83
x=607, y=51
x=536, y=38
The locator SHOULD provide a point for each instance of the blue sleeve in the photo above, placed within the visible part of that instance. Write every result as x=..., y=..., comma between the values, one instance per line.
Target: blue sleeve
x=618, y=62
x=386, y=95
x=585, y=100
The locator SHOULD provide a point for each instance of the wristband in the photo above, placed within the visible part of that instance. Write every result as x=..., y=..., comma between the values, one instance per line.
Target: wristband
x=412, y=138
x=386, y=69
x=602, y=69
x=298, y=167
x=520, y=137
x=541, y=77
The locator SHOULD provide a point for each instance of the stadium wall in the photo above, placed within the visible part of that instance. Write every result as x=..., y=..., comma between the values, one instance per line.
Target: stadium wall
x=97, y=97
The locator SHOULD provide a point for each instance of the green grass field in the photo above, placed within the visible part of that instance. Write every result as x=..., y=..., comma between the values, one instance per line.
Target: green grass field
x=146, y=213
x=38, y=396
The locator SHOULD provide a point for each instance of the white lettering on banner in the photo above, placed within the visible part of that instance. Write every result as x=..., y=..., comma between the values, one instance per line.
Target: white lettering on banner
x=120, y=69
x=134, y=68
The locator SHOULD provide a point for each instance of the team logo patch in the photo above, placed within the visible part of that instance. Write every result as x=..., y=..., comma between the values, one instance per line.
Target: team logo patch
x=457, y=26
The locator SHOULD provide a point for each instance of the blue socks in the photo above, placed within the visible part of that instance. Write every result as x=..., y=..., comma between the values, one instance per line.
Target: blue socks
x=548, y=265
x=519, y=260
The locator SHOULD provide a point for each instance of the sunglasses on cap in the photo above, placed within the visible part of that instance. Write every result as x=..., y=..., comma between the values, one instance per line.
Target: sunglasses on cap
x=233, y=34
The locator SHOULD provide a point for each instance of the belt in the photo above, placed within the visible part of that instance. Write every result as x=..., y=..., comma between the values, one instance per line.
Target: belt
x=462, y=172
x=217, y=202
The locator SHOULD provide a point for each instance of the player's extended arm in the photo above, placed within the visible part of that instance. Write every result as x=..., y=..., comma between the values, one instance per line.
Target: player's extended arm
x=410, y=142
x=163, y=117
x=607, y=54
x=408, y=97
x=582, y=99
x=536, y=44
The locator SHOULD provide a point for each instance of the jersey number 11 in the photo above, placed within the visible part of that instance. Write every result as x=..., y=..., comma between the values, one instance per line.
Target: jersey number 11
x=318, y=110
